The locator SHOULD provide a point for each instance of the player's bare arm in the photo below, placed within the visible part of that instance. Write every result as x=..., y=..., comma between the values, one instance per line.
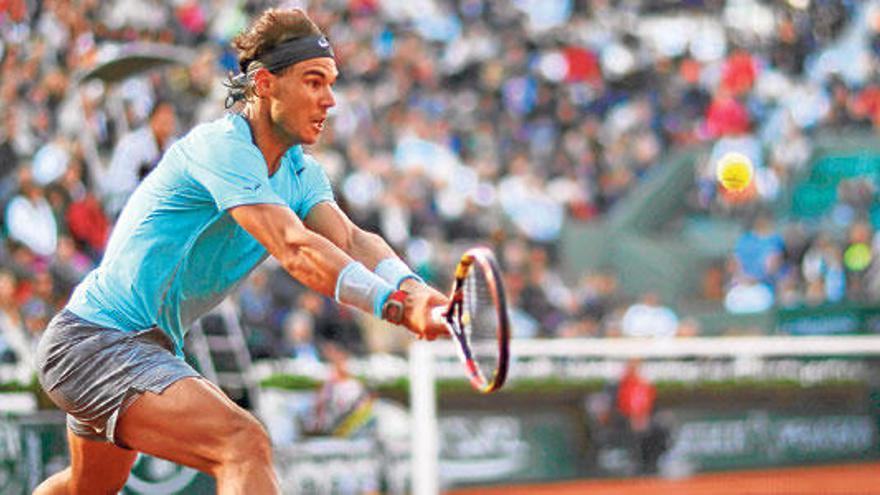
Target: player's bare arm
x=328, y=220
x=321, y=265
x=305, y=255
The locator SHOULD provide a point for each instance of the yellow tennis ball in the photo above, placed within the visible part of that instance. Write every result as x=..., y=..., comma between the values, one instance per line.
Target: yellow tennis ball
x=734, y=171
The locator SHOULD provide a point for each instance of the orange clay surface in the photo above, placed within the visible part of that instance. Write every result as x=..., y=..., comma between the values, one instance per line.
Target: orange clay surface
x=846, y=479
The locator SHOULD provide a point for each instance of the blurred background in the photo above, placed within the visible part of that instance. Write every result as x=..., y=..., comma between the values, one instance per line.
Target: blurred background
x=578, y=140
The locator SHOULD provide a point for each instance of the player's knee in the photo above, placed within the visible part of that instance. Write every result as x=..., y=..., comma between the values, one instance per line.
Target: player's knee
x=65, y=483
x=56, y=484
x=246, y=442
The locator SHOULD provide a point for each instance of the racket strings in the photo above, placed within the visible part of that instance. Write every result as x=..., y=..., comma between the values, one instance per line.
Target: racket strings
x=480, y=321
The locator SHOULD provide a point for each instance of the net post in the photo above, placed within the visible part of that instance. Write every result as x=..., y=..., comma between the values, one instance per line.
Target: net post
x=423, y=414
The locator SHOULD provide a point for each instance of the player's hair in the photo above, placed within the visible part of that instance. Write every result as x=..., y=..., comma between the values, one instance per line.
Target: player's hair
x=272, y=28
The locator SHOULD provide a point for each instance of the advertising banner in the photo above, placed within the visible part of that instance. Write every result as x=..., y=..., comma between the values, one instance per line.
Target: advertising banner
x=761, y=438
x=509, y=446
x=839, y=319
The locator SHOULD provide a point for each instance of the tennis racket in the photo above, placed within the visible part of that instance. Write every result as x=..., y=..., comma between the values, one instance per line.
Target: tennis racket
x=477, y=319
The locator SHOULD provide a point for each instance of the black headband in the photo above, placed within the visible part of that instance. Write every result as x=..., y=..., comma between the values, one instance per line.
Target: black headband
x=291, y=52
x=283, y=55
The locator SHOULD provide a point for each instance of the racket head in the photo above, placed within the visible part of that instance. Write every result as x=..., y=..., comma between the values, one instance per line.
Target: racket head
x=478, y=316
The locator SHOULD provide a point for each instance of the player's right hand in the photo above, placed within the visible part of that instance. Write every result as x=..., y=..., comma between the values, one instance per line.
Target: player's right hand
x=417, y=314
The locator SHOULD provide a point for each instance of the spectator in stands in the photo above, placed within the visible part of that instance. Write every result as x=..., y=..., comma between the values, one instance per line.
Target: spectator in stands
x=748, y=295
x=15, y=342
x=137, y=153
x=760, y=251
x=649, y=318
x=822, y=271
x=8, y=155
x=29, y=218
x=85, y=217
x=41, y=304
x=299, y=336
x=597, y=295
x=544, y=296
x=22, y=262
x=50, y=161
x=527, y=204
x=68, y=266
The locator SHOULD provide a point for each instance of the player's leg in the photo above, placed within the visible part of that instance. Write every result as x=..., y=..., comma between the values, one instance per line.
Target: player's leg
x=95, y=468
x=195, y=424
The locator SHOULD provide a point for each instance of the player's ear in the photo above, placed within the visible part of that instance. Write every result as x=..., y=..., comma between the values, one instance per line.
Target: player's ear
x=262, y=83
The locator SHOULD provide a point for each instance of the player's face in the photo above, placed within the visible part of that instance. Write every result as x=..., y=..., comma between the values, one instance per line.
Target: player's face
x=302, y=98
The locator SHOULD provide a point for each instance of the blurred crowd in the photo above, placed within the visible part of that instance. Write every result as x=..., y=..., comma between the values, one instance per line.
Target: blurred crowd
x=458, y=122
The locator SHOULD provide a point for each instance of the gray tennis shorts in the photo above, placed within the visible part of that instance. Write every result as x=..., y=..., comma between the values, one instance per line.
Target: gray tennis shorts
x=94, y=373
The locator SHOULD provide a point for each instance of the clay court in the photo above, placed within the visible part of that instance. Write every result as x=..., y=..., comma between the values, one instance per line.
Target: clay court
x=848, y=479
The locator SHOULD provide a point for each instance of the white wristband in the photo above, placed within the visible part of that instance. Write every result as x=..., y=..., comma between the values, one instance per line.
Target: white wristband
x=359, y=287
x=394, y=271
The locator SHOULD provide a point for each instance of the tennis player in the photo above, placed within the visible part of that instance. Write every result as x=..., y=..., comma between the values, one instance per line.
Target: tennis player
x=223, y=198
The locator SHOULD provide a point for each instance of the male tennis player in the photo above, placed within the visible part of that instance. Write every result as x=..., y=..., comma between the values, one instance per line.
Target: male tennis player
x=222, y=198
